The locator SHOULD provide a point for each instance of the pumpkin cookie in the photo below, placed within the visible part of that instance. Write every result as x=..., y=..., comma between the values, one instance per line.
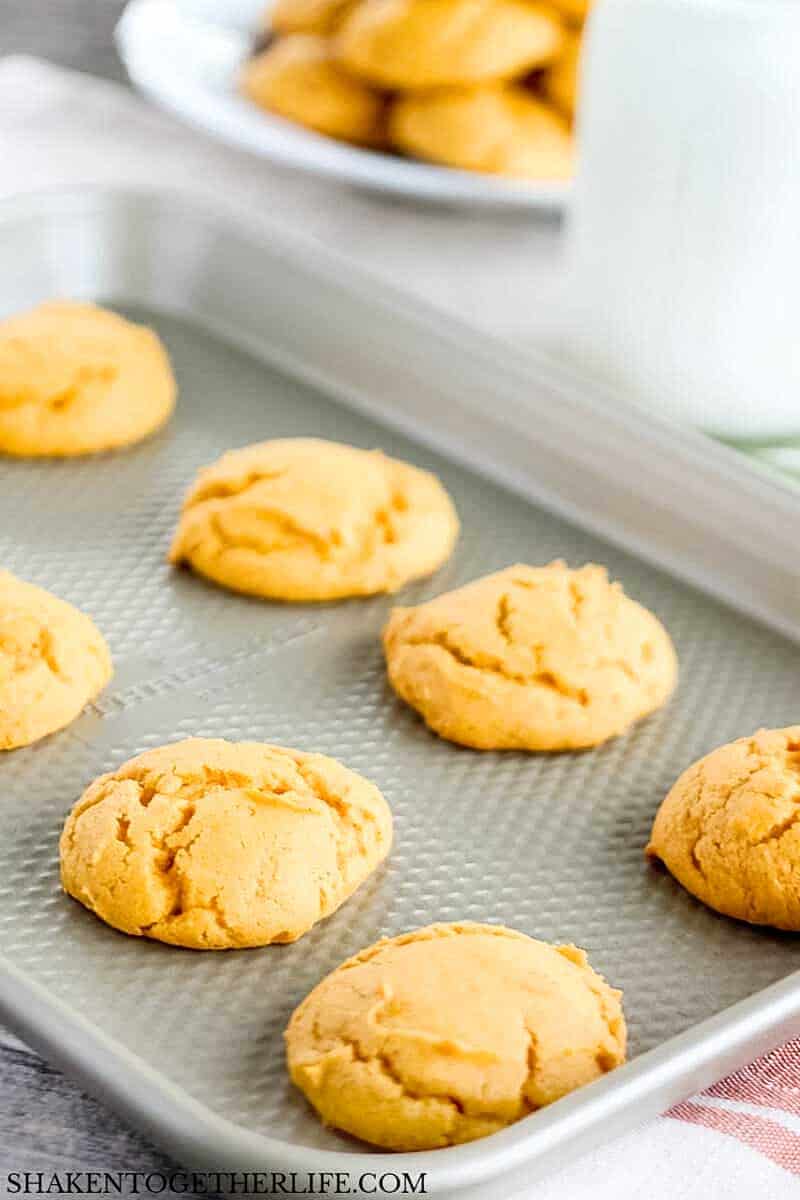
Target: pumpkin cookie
x=53, y=661
x=575, y=11
x=214, y=845
x=75, y=379
x=450, y=1033
x=502, y=130
x=560, y=81
x=302, y=519
x=306, y=16
x=729, y=830
x=411, y=44
x=298, y=77
x=531, y=658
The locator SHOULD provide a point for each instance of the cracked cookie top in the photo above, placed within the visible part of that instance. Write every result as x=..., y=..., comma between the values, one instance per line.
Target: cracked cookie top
x=53, y=661
x=215, y=845
x=449, y=1033
x=304, y=519
x=531, y=658
x=729, y=829
x=76, y=379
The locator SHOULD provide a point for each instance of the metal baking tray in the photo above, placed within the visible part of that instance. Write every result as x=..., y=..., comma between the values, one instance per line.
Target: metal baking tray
x=271, y=336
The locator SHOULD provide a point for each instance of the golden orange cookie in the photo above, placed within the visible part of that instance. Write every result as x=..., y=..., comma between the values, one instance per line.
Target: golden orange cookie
x=303, y=519
x=502, y=130
x=53, y=661
x=306, y=16
x=298, y=77
x=214, y=845
x=531, y=658
x=575, y=11
x=559, y=81
x=75, y=379
x=413, y=44
x=729, y=829
x=450, y=1033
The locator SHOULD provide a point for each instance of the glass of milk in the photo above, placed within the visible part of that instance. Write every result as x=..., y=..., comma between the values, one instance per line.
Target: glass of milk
x=683, y=245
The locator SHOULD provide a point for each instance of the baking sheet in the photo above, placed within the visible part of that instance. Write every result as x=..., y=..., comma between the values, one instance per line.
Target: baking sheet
x=551, y=845
x=548, y=845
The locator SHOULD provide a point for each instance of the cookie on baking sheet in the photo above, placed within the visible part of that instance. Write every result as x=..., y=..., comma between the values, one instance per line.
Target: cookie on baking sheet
x=437, y=43
x=501, y=129
x=303, y=519
x=559, y=81
x=729, y=829
x=306, y=16
x=531, y=658
x=76, y=379
x=215, y=845
x=53, y=661
x=298, y=78
x=450, y=1033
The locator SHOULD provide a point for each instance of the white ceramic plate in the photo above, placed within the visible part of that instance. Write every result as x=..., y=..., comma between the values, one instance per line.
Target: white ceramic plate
x=184, y=55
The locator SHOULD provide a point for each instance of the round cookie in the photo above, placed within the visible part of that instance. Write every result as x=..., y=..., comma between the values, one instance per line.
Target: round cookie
x=531, y=658
x=450, y=1033
x=215, y=845
x=306, y=16
x=575, y=11
x=53, y=661
x=502, y=130
x=298, y=77
x=559, y=81
x=412, y=44
x=729, y=829
x=301, y=519
x=77, y=379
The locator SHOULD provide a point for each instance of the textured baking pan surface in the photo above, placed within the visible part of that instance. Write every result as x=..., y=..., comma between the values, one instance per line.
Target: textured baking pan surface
x=551, y=845
x=188, y=1045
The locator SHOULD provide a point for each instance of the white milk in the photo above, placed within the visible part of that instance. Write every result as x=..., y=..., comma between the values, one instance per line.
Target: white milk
x=683, y=247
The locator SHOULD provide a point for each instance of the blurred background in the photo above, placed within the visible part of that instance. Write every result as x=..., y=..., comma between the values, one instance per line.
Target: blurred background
x=686, y=186
x=74, y=33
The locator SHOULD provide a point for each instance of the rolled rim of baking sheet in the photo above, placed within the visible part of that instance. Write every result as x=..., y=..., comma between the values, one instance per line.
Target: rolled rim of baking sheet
x=596, y=1112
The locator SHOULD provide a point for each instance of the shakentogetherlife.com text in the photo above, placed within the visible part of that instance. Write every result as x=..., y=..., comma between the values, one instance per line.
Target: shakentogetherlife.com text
x=214, y=1183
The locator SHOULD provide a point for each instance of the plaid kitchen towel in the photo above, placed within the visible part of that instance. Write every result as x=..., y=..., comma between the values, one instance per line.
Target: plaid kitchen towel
x=739, y=1140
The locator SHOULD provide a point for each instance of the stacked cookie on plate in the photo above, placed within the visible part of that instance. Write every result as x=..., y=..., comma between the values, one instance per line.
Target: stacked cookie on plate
x=482, y=85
